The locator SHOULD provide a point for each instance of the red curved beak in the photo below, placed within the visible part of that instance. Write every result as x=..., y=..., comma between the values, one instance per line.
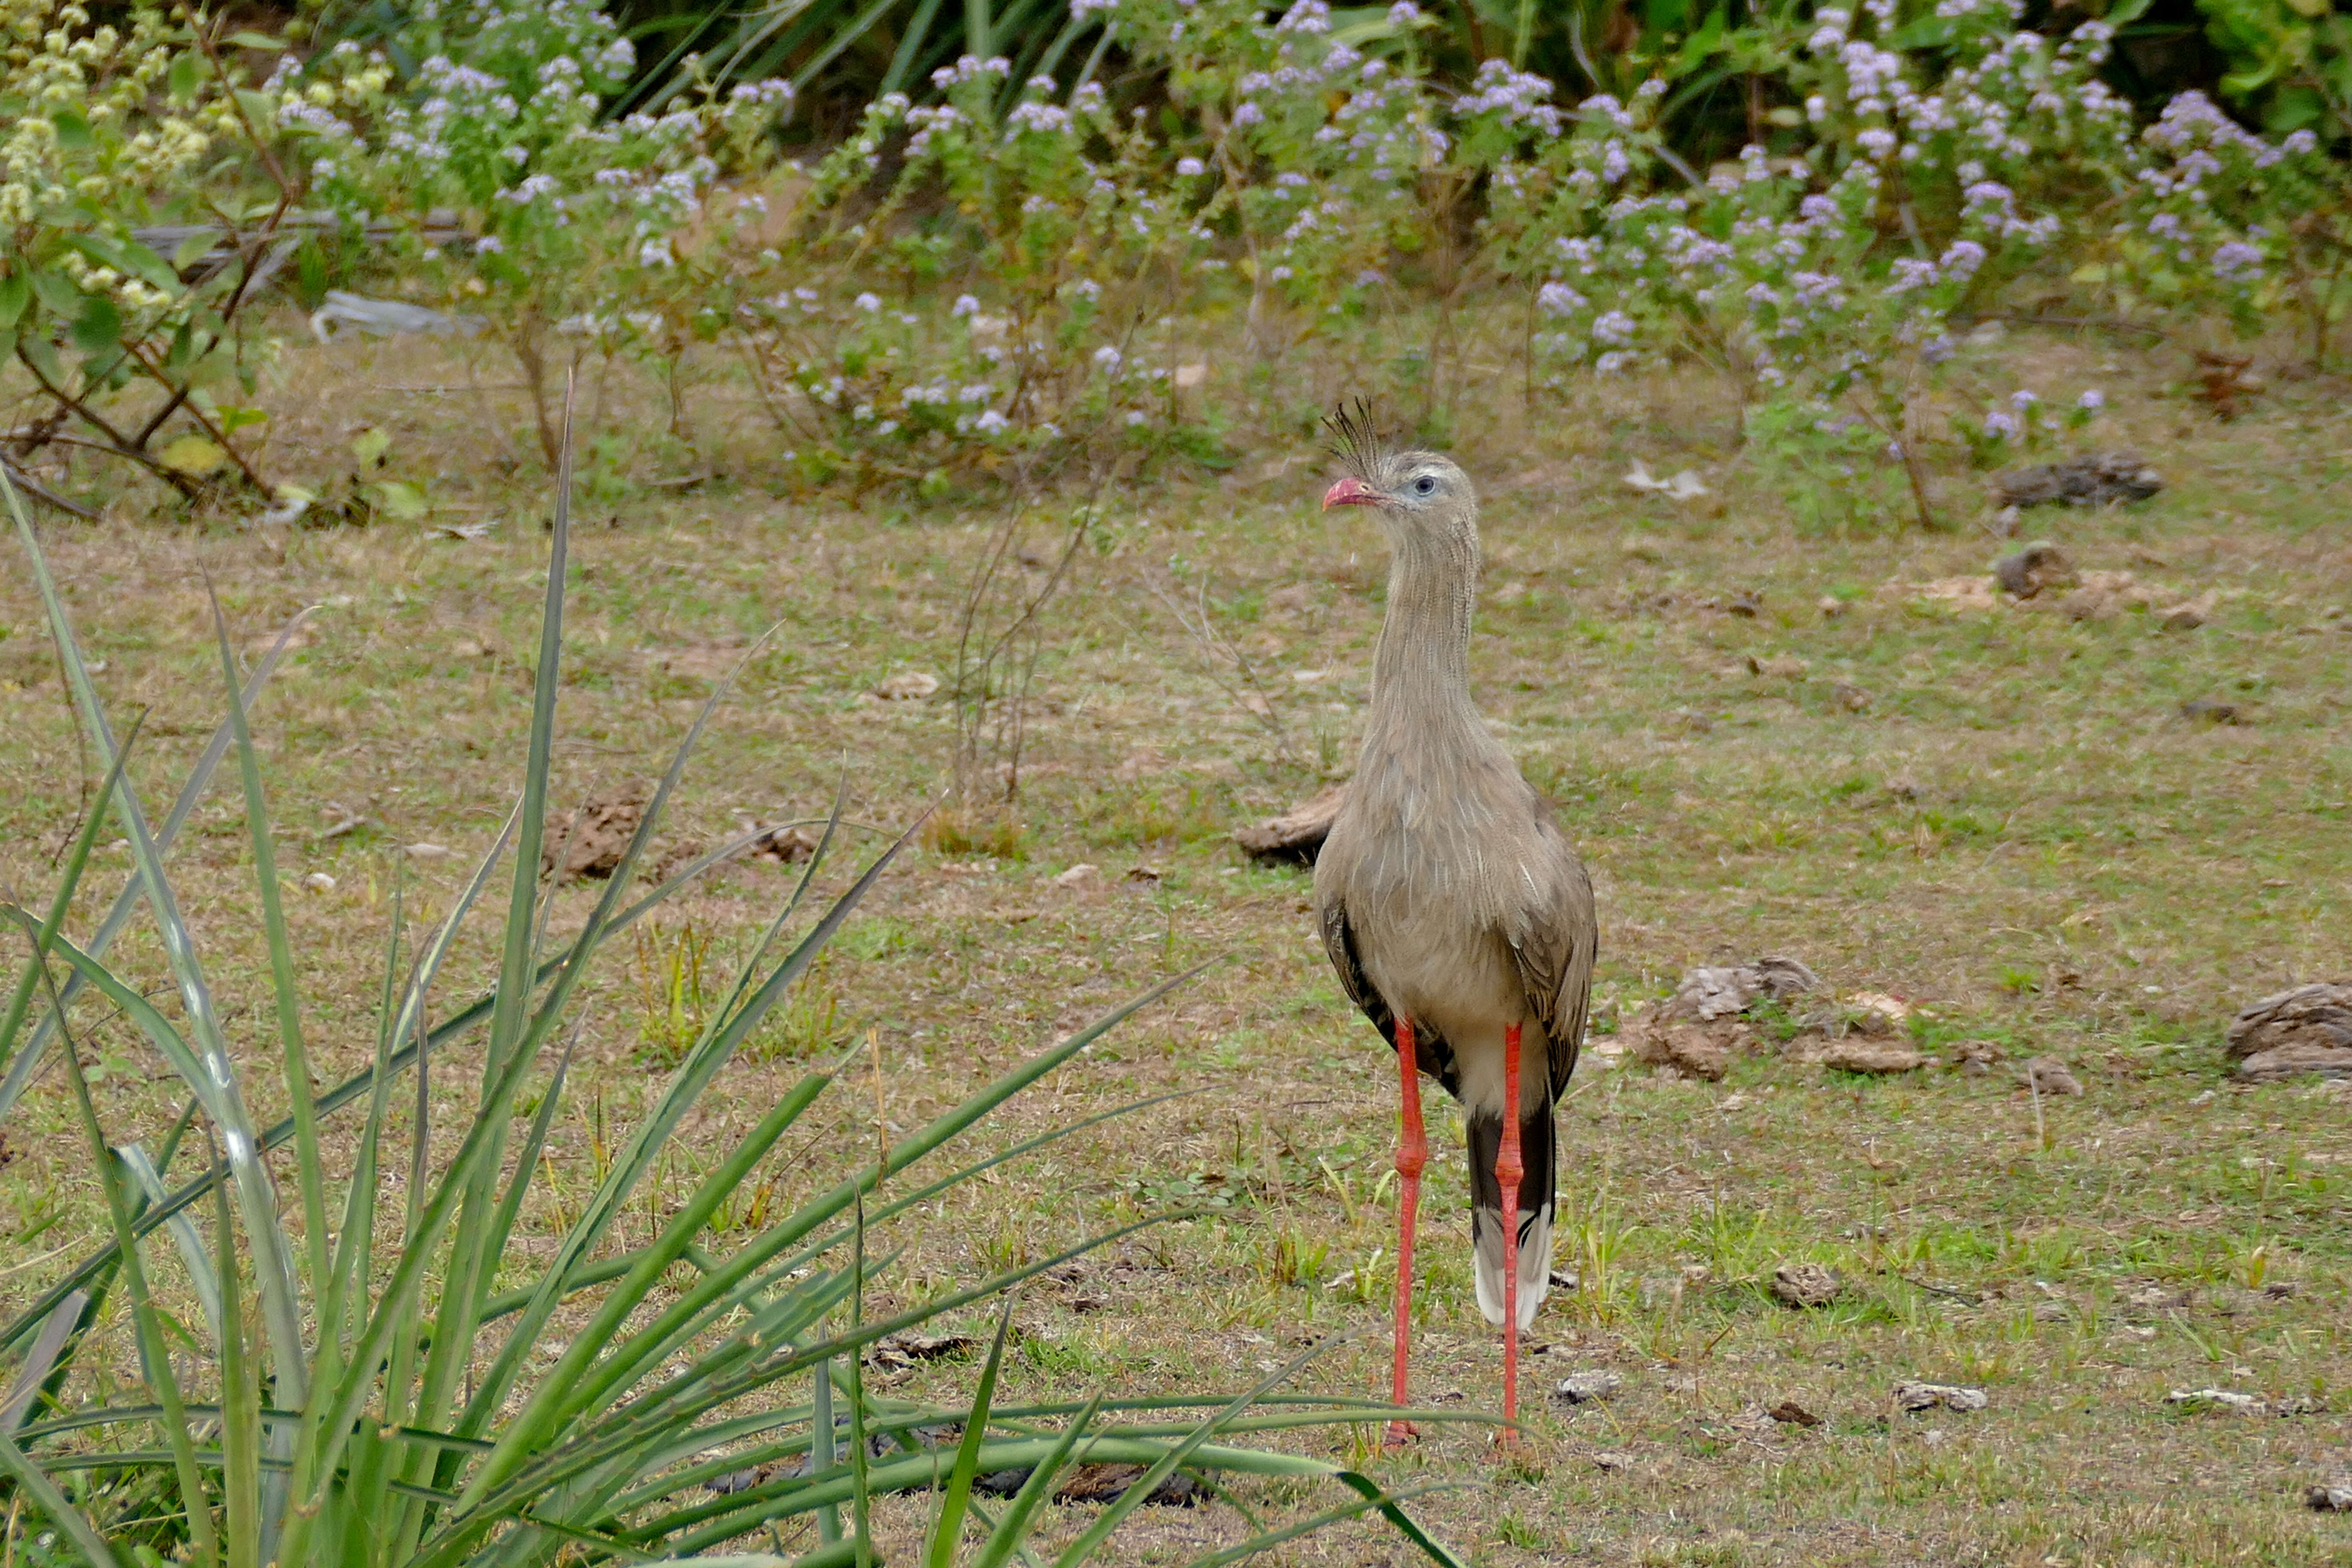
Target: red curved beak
x=1351, y=491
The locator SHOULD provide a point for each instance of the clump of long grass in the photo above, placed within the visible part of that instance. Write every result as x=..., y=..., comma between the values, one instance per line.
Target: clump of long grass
x=359, y=1389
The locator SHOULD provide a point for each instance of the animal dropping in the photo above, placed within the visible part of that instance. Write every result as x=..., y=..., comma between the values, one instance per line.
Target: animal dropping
x=2103, y=478
x=1804, y=1284
x=1917, y=1396
x=2306, y=1029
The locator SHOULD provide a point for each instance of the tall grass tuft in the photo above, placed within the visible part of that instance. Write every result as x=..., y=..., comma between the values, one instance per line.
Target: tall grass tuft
x=367, y=1388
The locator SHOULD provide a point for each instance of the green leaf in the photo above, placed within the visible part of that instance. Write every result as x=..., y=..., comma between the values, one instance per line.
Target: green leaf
x=193, y=456
x=233, y=420
x=369, y=445
x=256, y=41
x=400, y=502
x=99, y=328
x=193, y=249
x=182, y=79
x=947, y=1527
x=16, y=293
x=58, y=293
x=73, y=132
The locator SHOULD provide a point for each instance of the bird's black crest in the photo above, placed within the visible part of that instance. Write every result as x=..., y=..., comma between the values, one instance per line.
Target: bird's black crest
x=1354, y=439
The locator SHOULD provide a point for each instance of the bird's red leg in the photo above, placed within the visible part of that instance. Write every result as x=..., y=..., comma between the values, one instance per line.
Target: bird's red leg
x=1508, y=1170
x=1413, y=1157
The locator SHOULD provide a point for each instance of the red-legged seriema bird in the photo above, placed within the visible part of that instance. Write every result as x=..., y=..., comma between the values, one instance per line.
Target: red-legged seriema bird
x=1459, y=919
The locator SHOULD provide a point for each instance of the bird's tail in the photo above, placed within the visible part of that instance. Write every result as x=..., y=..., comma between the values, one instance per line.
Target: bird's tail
x=1535, y=1197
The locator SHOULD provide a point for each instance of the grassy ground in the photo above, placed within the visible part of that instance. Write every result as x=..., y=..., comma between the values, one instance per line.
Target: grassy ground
x=1998, y=814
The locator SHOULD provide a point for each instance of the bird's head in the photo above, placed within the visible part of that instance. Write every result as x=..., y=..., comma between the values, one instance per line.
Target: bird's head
x=1414, y=495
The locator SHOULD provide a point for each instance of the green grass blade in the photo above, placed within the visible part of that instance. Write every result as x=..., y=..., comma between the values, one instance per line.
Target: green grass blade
x=21, y=1067
x=1390, y=1509
x=35, y=1485
x=273, y=1259
x=947, y=1530
x=68, y=883
x=241, y=1455
x=350, y=1090
x=1267, y=1539
x=1112, y=1517
x=155, y=1353
x=861, y=1513
x=910, y=46
x=463, y=1291
x=534, y=1143
x=840, y=40
x=657, y=1337
x=184, y=1236
x=300, y=1090
x=1015, y=1525
x=568, y=1384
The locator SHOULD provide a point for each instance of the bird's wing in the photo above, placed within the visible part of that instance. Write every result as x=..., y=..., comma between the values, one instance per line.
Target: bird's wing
x=1432, y=1052
x=1554, y=951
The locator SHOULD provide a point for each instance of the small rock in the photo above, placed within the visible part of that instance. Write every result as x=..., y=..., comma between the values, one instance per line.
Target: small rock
x=2280, y=1289
x=2051, y=1076
x=2008, y=521
x=2211, y=711
x=422, y=851
x=2103, y=596
x=2218, y=1399
x=1780, y=666
x=2156, y=1298
x=2189, y=615
x=907, y=686
x=1976, y=1057
x=1804, y=1284
x=786, y=845
x=736, y=1480
x=1747, y=604
x=1855, y=1055
x=319, y=882
x=1614, y=1459
x=1145, y=874
x=1695, y=1051
x=1932, y=1395
x=1852, y=697
x=2330, y=1496
x=1876, y=1012
x=1078, y=873
x=2039, y=566
x=2103, y=478
x=1831, y=607
x=896, y=1352
x=2307, y=1029
x=1717, y=991
x=1789, y=1413
x=1585, y=1387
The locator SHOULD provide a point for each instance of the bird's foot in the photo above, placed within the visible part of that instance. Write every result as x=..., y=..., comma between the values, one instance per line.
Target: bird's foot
x=1400, y=1435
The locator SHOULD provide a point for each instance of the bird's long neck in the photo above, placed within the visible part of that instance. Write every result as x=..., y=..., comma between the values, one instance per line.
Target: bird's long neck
x=1420, y=669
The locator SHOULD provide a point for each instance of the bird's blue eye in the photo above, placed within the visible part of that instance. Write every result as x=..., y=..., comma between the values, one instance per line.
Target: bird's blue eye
x=1425, y=485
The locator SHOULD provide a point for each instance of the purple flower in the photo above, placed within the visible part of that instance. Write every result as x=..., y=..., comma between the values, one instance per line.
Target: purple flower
x=2236, y=259
x=2091, y=402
